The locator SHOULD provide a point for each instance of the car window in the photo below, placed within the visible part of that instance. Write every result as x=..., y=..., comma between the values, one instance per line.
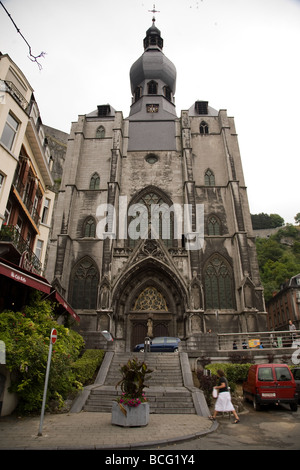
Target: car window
x=157, y=340
x=297, y=374
x=171, y=340
x=282, y=373
x=265, y=373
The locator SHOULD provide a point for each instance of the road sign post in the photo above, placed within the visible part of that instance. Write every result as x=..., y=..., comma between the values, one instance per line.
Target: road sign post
x=53, y=338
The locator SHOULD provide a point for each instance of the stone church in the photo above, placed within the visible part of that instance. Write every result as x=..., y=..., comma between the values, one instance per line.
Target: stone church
x=152, y=231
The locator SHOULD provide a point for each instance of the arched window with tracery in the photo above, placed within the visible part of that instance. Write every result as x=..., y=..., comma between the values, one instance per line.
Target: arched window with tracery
x=209, y=178
x=213, y=225
x=95, y=181
x=203, y=128
x=84, y=285
x=150, y=216
x=89, y=228
x=218, y=282
x=100, y=132
x=151, y=299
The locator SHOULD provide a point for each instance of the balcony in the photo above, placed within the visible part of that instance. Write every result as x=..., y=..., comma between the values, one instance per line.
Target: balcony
x=10, y=88
x=20, y=187
x=14, y=248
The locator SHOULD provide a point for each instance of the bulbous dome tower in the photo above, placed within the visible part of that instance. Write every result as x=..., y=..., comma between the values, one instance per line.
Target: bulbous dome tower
x=153, y=75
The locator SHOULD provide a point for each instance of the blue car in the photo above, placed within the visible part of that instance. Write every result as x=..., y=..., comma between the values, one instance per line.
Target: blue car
x=160, y=344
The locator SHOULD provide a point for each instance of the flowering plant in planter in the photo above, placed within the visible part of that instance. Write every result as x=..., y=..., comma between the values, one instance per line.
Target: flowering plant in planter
x=133, y=383
x=134, y=402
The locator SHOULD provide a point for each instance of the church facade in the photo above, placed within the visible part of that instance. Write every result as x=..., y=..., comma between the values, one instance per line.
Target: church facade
x=152, y=232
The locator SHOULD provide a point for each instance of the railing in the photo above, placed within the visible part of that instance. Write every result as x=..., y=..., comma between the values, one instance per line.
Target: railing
x=259, y=340
x=20, y=187
x=9, y=233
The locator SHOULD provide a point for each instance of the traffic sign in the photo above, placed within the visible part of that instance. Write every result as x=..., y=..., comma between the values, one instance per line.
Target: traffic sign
x=53, y=335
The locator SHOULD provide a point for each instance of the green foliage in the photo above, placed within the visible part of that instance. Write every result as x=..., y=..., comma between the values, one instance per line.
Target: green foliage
x=261, y=221
x=85, y=367
x=235, y=373
x=278, y=258
x=206, y=384
x=26, y=335
x=133, y=378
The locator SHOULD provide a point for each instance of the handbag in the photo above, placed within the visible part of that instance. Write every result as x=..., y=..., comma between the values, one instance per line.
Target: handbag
x=215, y=393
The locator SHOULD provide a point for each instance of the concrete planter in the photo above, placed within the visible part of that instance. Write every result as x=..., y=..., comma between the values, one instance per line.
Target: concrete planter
x=135, y=416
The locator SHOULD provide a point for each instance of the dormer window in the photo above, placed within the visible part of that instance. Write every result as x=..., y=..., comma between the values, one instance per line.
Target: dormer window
x=152, y=88
x=201, y=107
x=103, y=110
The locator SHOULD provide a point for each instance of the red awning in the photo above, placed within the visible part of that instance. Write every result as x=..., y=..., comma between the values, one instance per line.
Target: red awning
x=65, y=305
x=25, y=278
x=35, y=281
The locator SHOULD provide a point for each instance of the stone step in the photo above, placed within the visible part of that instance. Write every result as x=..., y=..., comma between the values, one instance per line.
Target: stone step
x=165, y=391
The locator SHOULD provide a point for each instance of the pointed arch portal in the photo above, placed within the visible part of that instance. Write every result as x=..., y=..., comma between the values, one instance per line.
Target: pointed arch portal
x=150, y=301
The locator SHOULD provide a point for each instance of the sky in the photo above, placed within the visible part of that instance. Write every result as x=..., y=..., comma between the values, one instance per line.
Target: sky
x=239, y=55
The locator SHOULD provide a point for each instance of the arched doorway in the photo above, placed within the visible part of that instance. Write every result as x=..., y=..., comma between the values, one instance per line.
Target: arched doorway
x=150, y=315
x=148, y=300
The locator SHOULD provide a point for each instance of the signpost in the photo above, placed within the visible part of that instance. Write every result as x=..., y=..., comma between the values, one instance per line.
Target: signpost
x=53, y=338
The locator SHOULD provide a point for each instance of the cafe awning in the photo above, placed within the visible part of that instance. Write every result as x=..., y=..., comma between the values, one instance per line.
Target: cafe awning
x=17, y=274
x=25, y=277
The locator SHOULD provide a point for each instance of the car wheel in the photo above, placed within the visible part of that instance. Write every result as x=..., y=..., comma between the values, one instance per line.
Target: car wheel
x=175, y=350
x=142, y=350
x=293, y=406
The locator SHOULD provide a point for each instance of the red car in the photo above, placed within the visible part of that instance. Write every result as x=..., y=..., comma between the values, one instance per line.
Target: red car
x=270, y=384
x=296, y=374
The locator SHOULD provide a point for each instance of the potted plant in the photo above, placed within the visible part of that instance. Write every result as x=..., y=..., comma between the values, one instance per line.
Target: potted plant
x=132, y=408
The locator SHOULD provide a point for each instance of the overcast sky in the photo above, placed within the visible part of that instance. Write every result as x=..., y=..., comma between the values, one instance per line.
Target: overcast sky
x=239, y=55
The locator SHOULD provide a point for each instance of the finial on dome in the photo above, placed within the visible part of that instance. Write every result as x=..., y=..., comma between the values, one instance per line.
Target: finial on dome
x=153, y=11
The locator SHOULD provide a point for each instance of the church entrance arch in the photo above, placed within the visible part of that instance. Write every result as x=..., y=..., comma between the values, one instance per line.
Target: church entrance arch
x=148, y=301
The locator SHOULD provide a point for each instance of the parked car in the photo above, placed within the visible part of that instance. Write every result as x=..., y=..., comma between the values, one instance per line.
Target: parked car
x=296, y=374
x=270, y=384
x=160, y=344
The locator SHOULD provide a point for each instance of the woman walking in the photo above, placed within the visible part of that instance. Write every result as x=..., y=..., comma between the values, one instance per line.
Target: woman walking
x=223, y=402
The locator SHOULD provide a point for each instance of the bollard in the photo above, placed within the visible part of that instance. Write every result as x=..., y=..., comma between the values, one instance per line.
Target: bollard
x=146, y=347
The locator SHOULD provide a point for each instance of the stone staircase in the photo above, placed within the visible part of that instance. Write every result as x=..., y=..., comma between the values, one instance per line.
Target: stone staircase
x=170, y=387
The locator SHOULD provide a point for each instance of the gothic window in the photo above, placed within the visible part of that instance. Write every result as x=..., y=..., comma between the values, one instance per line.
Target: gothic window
x=209, y=178
x=100, y=132
x=95, y=181
x=214, y=225
x=89, y=228
x=151, y=299
x=151, y=211
x=137, y=93
x=84, y=285
x=203, y=128
x=218, y=280
x=152, y=88
x=167, y=93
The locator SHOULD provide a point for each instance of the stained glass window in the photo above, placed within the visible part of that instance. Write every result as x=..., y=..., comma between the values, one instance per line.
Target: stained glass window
x=85, y=285
x=151, y=299
x=218, y=284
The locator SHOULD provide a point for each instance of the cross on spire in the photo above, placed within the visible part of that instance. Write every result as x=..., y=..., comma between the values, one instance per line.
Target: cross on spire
x=154, y=11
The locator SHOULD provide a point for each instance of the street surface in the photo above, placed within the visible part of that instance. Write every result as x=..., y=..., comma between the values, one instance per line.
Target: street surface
x=275, y=428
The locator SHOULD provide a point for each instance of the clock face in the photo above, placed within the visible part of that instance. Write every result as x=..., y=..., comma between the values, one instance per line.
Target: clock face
x=152, y=108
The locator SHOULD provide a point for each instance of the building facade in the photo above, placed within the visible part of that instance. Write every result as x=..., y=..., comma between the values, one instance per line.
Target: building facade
x=285, y=306
x=26, y=198
x=152, y=234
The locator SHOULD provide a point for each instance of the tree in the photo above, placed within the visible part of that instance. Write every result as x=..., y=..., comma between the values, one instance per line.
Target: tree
x=261, y=221
x=26, y=336
x=297, y=218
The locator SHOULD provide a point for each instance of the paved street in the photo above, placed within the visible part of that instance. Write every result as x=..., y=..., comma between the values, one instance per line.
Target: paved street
x=275, y=428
